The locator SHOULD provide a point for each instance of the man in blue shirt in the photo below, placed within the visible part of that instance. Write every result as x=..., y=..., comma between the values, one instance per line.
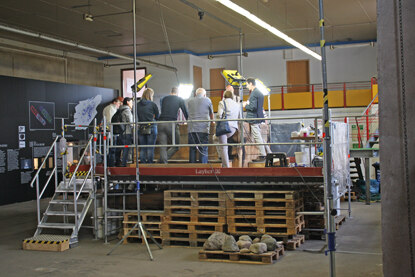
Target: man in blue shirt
x=200, y=108
x=254, y=109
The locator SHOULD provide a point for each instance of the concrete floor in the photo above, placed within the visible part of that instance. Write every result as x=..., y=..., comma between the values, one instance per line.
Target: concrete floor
x=358, y=245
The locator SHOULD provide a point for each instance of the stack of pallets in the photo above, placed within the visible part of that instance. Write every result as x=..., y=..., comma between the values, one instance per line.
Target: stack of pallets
x=264, y=212
x=192, y=216
x=152, y=221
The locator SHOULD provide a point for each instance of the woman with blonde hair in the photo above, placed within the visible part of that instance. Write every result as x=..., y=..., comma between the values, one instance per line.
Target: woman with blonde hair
x=233, y=111
x=147, y=111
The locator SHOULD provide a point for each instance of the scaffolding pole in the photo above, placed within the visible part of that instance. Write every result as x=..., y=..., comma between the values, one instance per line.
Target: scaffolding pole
x=328, y=185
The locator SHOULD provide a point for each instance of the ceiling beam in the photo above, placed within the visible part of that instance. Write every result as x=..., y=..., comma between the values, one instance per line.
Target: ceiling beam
x=82, y=47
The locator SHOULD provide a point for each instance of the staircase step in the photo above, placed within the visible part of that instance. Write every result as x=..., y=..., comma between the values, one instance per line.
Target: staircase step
x=61, y=213
x=69, y=190
x=56, y=225
x=67, y=202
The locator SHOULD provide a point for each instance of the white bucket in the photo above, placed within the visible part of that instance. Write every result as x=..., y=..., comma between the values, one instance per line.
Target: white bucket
x=299, y=157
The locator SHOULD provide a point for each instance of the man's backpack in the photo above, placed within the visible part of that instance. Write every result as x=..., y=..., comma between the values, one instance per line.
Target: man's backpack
x=117, y=118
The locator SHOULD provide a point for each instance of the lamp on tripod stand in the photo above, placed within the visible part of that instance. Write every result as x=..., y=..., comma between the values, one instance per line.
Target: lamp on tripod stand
x=142, y=231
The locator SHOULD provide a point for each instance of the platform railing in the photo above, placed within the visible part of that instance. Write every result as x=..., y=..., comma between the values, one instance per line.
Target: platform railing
x=54, y=174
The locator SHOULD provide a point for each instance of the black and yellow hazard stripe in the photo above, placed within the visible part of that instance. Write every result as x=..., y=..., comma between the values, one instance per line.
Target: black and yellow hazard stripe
x=78, y=174
x=44, y=241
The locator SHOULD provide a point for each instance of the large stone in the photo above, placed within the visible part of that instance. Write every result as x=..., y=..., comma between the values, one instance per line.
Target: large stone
x=256, y=240
x=243, y=244
x=265, y=236
x=229, y=245
x=245, y=238
x=258, y=248
x=270, y=242
x=215, y=241
x=245, y=250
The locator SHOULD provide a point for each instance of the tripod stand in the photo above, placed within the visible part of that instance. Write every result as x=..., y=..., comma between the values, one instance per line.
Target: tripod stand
x=142, y=231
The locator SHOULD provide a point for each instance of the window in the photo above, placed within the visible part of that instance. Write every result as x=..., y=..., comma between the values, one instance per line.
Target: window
x=127, y=80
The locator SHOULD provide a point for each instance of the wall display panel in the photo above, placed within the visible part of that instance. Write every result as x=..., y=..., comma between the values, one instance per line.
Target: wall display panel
x=31, y=113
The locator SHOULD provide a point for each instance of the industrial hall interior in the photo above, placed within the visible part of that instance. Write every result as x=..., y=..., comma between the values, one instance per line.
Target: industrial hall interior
x=207, y=138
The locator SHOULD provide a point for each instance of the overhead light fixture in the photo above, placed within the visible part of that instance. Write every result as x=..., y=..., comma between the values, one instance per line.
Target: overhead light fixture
x=265, y=25
x=261, y=87
x=185, y=90
x=88, y=17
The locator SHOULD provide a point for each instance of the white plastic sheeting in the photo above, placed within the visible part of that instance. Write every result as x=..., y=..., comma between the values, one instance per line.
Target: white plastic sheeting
x=340, y=157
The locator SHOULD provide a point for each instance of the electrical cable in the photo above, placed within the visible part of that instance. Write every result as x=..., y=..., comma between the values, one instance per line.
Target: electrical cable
x=166, y=37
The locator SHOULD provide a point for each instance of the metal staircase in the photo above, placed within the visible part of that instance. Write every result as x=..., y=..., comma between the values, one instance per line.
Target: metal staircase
x=72, y=197
x=60, y=213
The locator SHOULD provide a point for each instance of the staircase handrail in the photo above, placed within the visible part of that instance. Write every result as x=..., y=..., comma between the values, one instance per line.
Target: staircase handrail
x=54, y=173
x=44, y=161
x=370, y=104
x=75, y=195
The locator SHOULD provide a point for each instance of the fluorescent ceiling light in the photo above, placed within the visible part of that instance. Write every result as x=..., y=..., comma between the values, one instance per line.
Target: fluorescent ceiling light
x=265, y=25
x=185, y=90
x=261, y=87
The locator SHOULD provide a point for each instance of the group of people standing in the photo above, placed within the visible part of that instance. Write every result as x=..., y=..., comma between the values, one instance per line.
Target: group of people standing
x=198, y=107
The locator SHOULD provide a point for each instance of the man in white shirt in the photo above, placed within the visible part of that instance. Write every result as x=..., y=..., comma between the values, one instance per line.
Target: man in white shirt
x=111, y=109
x=109, y=112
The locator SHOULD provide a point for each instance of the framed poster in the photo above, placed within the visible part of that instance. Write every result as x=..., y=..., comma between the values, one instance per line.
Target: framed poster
x=41, y=115
x=127, y=80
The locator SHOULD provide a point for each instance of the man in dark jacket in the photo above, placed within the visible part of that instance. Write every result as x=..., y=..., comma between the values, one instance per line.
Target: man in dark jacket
x=254, y=109
x=170, y=106
x=147, y=111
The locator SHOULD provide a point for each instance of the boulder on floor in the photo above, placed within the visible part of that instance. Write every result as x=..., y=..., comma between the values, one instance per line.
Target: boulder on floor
x=270, y=242
x=243, y=244
x=229, y=245
x=258, y=248
x=245, y=238
x=215, y=241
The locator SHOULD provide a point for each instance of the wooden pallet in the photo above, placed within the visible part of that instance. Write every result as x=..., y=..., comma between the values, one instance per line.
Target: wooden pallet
x=186, y=198
x=353, y=196
x=183, y=243
x=295, y=242
x=263, y=211
x=156, y=216
x=275, y=221
x=196, y=214
x=270, y=230
x=236, y=257
x=247, y=195
x=136, y=239
x=178, y=234
x=192, y=227
x=152, y=221
x=278, y=204
x=315, y=235
x=339, y=219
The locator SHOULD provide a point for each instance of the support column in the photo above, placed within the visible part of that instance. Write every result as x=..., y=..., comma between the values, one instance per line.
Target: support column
x=396, y=67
